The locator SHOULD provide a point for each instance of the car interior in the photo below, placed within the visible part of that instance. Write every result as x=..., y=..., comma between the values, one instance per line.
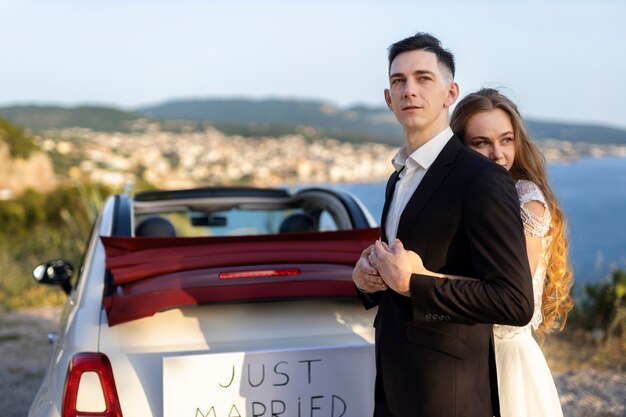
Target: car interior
x=160, y=214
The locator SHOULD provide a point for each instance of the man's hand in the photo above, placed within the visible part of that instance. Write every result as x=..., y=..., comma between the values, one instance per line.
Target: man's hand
x=365, y=276
x=394, y=265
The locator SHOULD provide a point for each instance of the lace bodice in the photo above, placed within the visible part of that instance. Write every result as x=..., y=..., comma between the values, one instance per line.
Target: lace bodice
x=533, y=226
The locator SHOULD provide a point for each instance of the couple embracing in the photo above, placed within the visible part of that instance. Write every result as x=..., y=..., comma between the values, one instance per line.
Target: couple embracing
x=472, y=252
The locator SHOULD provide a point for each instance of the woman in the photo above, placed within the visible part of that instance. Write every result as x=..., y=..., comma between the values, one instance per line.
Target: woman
x=490, y=123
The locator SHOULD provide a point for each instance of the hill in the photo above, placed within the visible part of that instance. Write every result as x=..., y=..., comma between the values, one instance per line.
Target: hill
x=38, y=118
x=265, y=116
x=359, y=122
x=275, y=117
x=576, y=133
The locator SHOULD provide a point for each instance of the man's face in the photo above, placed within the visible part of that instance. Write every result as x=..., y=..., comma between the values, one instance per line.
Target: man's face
x=420, y=93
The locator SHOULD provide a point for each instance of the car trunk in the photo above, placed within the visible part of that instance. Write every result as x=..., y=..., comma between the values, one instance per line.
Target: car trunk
x=199, y=327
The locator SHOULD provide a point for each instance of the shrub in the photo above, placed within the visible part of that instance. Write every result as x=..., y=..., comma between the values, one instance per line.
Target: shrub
x=35, y=228
x=603, y=307
x=20, y=143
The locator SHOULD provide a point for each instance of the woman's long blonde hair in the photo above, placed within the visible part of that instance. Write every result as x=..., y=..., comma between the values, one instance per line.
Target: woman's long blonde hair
x=529, y=164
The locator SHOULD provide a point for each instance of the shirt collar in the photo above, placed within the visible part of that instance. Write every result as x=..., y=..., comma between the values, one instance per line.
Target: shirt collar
x=425, y=155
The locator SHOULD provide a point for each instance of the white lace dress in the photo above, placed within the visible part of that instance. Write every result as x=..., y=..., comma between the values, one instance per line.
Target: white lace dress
x=525, y=383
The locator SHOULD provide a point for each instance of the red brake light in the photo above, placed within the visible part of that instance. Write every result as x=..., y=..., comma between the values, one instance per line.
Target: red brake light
x=90, y=362
x=259, y=273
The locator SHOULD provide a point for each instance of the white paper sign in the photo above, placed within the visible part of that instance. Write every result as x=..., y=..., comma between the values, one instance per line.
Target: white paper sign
x=324, y=382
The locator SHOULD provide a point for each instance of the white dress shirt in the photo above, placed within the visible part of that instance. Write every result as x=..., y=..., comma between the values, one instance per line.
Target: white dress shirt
x=412, y=169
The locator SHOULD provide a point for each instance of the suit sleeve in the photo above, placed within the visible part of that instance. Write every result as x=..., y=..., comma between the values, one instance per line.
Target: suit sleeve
x=369, y=300
x=502, y=292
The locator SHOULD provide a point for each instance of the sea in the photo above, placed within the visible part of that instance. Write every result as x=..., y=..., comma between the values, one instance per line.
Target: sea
x=591, y=192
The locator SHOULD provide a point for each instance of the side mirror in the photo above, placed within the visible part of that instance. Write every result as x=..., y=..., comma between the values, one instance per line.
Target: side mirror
x=56, y=272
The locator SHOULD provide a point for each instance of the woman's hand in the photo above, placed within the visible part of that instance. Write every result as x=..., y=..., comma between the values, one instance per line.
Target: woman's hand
x=417, y=266
x=365, y=276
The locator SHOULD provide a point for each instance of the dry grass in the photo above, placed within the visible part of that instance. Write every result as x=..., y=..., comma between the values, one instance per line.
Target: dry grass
x=575, y=349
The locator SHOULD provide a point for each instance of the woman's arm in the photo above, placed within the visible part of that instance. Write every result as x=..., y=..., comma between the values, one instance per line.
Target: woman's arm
x=533, y=247
x=395, y=261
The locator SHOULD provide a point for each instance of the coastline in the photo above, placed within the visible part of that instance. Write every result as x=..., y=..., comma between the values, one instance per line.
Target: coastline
x=211, y=157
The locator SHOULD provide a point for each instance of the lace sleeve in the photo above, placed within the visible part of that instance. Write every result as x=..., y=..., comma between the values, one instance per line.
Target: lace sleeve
x=533, y=225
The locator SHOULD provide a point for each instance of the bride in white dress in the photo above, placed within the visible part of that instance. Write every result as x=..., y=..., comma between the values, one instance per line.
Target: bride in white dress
x=491, y=124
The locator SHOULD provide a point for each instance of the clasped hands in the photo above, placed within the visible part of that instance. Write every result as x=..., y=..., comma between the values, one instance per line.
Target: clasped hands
x=383, y=266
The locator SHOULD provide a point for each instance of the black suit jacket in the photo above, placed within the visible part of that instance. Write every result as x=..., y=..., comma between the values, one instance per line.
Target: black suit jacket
x=434, y=349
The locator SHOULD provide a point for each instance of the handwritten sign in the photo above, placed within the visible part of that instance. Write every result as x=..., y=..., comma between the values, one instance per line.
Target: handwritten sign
x=322, y=382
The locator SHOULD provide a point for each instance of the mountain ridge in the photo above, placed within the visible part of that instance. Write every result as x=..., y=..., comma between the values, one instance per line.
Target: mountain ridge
x=273, y=117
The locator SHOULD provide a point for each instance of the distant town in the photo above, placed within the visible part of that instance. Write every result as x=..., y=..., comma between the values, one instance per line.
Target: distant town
x=170, y=160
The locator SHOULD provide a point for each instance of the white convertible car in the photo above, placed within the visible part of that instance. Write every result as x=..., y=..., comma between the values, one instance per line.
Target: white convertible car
x=215, y=302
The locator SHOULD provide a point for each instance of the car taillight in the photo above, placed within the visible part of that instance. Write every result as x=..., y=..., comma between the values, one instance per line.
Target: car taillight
x=85, y=364
x=259, y=273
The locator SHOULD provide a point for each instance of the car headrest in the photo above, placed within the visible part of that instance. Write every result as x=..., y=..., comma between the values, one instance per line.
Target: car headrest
x=155, y=226
x=298, y=222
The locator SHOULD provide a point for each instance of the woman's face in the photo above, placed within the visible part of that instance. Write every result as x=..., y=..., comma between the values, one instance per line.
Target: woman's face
x=491, y=134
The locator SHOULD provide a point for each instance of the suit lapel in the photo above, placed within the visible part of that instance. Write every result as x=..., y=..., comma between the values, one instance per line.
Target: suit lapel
x=429, y=184
x=391, y=186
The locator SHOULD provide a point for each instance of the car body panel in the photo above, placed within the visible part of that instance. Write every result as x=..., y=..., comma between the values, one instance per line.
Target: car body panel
x=136, y=349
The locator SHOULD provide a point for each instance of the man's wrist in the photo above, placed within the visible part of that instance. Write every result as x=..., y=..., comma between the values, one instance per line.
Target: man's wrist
x=362, y=290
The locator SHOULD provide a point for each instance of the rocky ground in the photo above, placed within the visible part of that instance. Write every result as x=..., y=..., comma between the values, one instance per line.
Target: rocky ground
x=590, y=377
x=591, y=380
x=24, y=356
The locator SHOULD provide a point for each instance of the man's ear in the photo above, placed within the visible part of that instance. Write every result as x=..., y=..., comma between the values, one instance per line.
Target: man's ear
x=388, y=99
x=453, y=94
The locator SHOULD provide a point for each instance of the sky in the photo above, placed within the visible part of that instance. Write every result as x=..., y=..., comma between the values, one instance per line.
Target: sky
x=559, y=60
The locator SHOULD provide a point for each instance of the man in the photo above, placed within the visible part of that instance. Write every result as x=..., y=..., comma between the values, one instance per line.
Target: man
x=459, y=212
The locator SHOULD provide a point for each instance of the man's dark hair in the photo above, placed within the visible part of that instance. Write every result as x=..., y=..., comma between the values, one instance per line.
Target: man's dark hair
x=423, y=42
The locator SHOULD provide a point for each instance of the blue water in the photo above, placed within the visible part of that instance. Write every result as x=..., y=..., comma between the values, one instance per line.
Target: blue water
x=592, y=192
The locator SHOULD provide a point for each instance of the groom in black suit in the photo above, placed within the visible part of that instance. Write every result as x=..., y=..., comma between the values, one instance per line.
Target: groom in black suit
x=460, y=213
